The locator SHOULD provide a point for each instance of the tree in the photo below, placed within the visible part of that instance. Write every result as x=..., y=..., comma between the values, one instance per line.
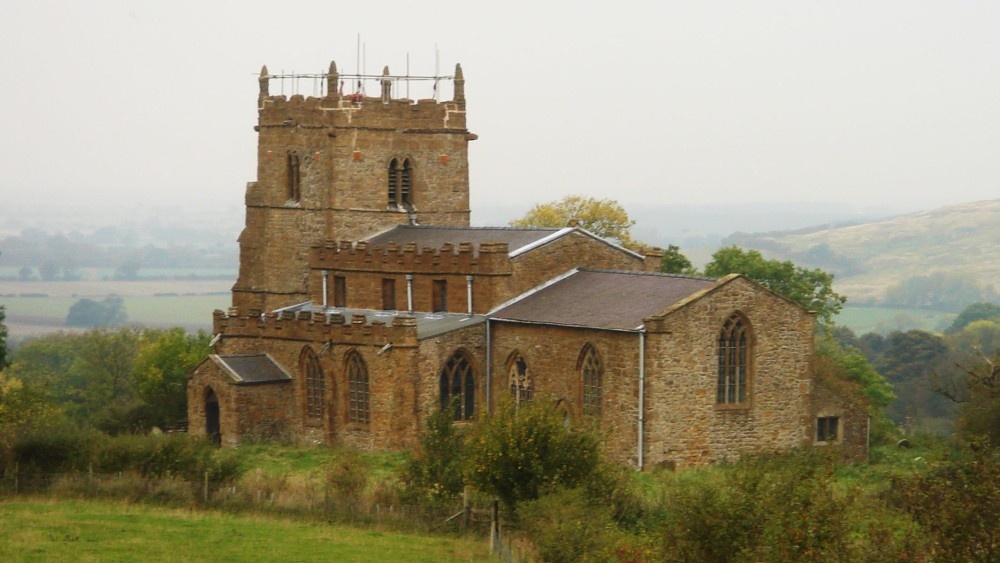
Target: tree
x=518, y=454
x=128, y=270
x=972, y=313
x=159, y=374
x=813, y=289
x=836, y=362
x=604, y=217
x=4, y=361
x=676, y=263
x=89, y=313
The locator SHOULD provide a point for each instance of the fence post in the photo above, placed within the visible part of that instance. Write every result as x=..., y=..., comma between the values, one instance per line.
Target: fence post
x=466, y=510
x=17, y=476
x=90, y=478
x=495, y=527
x=205, y=493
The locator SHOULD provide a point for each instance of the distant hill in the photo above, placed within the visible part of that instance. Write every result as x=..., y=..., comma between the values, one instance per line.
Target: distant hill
x=867, y=258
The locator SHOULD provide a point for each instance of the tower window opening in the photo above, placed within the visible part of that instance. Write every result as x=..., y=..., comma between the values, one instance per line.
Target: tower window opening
x=404, y=184
x=393, y=179
x=294, y=178
x=400, y=178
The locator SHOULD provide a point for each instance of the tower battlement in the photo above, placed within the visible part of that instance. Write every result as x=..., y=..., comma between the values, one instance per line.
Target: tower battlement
x=465, y=258
x=315, y=326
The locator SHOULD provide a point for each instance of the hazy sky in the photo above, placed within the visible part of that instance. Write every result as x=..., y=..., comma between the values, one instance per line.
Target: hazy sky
x=870, y=103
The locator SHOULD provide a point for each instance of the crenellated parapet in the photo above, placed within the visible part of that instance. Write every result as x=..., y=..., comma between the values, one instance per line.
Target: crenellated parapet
x=316, y=326
x=491, y=258
x=344, y=100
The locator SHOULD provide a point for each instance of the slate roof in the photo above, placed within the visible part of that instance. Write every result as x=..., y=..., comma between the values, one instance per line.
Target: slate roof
x=604, y=299
x=252, y=368
x=435, y=237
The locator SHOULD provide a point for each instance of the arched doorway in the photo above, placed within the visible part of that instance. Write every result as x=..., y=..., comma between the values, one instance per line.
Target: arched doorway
x=213, y=429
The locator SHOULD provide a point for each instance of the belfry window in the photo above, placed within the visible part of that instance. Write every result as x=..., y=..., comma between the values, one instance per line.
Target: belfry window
x=400, y=179
x=358, y=409
x=458, y=386
x=734, y=358
x=294, y=188
x=592, y=375
x=315, y=384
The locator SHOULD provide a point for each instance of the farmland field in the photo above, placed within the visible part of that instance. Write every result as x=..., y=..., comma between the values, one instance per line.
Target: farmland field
x=40, y=307
x=42, y=530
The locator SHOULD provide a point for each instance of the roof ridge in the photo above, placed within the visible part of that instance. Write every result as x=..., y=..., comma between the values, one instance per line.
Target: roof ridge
x=652, y=274
x=480, y=228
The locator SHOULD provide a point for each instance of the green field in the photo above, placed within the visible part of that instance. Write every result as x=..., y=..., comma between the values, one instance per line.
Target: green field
x=41, y=530
x=179, y=310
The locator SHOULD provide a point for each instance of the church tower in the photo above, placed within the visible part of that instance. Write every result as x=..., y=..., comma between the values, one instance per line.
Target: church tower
x=342, y=167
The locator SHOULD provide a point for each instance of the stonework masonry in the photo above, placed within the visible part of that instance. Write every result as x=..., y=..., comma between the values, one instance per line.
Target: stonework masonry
x=356, y=343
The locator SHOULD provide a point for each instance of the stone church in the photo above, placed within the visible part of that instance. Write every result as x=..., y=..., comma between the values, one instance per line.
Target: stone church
x=365, y=300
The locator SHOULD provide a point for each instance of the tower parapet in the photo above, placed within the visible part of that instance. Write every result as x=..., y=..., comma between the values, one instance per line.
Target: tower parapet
x=342, y=165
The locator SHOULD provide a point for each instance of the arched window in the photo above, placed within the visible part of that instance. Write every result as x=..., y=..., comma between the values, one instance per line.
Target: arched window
x=315, y=384
x=519, y=379
x=358, y=409
x=400, y=179
x=458, y=386
x=592, y=375
x=734, y=358
x=294, y=187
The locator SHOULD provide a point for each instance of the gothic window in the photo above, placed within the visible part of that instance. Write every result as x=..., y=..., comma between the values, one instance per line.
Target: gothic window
x=358, y=409
x=400, y=179
x=520, y=382
x=457, y=384
x=388, y=294
x=439, y=296
x=315, y=384
x=592, y=375
x=339, y=291
x=734, y=358
x=294, y=187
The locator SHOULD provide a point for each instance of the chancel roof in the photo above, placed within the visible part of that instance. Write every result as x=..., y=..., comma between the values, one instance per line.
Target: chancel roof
x=252, y=368
x=613, y=300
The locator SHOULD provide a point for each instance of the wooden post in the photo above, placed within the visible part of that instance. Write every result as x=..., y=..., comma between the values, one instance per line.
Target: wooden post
x=466, y=510
x=17, y=474
x=495, y=527
x=205, y=489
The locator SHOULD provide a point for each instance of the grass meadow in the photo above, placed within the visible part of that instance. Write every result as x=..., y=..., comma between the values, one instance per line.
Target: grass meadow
x=86, y=530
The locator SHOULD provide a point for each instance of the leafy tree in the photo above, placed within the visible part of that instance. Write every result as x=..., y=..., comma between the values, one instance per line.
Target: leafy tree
x=435, y=472
x=813, y=289
x=849, y=364
x=909, y=361
x=159, y=374
x=4, y=361
x=676, y=263
x=128, y=270
x=26, y=273
x=20, y=404
x=518, y=454
x=86, y=312
x=49, y=270
x=972, y=313
x=603, y=217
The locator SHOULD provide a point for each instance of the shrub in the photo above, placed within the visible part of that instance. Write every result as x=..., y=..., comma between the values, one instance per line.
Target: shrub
x=957, y=504
x=434, y=474
x=518, y=454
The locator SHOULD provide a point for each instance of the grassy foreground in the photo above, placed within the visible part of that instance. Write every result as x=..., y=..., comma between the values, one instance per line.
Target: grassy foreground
x=45, y=530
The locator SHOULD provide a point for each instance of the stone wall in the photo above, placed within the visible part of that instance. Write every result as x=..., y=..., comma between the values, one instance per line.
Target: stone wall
x=553, y=355
x=338, y=151
x=684, y=424
x=842, y=401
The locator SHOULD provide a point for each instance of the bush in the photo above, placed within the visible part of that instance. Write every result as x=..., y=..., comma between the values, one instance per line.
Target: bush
x=957, y=504
x=518, y=454
x=435, y=472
